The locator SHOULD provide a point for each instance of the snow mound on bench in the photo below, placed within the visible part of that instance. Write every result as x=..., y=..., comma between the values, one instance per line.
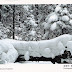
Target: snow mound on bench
x=46, y=48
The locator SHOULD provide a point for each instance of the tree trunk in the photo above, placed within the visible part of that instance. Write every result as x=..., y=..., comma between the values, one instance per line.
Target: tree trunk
x=13, y=21
x=0, y=12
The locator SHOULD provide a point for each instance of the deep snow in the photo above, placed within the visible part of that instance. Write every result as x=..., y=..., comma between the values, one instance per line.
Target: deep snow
x=10, y=49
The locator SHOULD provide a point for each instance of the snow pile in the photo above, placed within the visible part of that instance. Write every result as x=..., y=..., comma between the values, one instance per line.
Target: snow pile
x=7, y=52
x=65, y=38
x=64, y=11
x=26, y=56
x=32, y=33
x=65, y=18
x=53, y=17
x=70, y=22
x=61, y=47
x=46, y=48
x=46, y=25
x=32, y=22
x=34, y=49
x=55, y=46
x=53, y=26
x=61, y=24
x=51, y=21
x=70, y=16
x=47, y=52
x=69, y=46
x=26, y=7
x=58, y=9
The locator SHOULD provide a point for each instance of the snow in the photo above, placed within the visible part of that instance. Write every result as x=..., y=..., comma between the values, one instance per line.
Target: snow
x=26, y=56
x=46, y=48
x=65, y=38
x=49, y=19
x=70, y=16
x=32, y=33
x=3, y=56
x=34, y=51
x=45, y=35
x=32, y=22
x=70, y=22
x=65, y=11
x=69, y=46
x=9, y=53
x=26, y=7
x=52, y=44
x=46, y=25
x=16, y=37
x=53, y=18
x=47, y=52
x=36, y=62
x=65, y=18
x=61, y=46
x=12, y=55
x=61, y=24
x=53, y=26
x=58, y=9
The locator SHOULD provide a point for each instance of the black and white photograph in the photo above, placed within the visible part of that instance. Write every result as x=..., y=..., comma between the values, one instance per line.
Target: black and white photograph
x=36, y=33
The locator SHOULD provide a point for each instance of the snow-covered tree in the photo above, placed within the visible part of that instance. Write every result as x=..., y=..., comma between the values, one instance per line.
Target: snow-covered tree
x=58, y=22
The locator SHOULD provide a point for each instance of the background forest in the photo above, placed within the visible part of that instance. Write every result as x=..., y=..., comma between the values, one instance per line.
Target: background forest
x=34, y=22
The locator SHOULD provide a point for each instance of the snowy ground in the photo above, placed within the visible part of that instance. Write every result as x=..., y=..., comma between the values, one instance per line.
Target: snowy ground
x=35, y=62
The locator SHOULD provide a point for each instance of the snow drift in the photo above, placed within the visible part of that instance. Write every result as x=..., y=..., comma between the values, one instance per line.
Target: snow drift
x=47, y=48
x=7, y=52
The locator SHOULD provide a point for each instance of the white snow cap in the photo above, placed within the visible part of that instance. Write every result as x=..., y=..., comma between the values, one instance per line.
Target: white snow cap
x=32, y=33
x=32, y=22
x=53, y=26
x=65, y=38
x=16, y=37
x=70, y=22
x=65, y=11
x=46, y=26
x=26, y=56
x=58, y=8
x=65, y=18
x=70, y=16
x=26, y=7
x=53, y=18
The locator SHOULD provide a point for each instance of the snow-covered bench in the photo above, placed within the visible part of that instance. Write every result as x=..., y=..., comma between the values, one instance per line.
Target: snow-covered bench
x=46, y=48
